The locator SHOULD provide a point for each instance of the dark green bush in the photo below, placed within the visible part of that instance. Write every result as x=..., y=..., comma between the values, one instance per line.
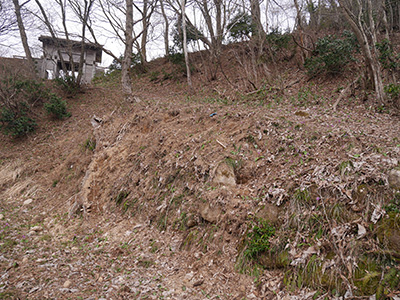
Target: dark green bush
x=57, y=107
x=192, y=34
x=387, y=57
x=277, y=40
x=33, y=91
x=241, y=26
x=331, y=54
x=16, y=122
x=116, y=63
x=19, y=95
x=393, y=90
x=176, y=58
x=69, y=85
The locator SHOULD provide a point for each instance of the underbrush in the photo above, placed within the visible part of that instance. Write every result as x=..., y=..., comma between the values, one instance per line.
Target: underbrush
x=325, y=244
x=20, y=97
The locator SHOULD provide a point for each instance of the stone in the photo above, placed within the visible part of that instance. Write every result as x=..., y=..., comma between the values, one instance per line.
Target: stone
x=302, y=113
x=67, y=284
x=36, y=228
x=191, y=222
x=208, y=213
x=270, y=213
x=27, y=202
x=394, y=179
x=225, y=174
x=1, y=216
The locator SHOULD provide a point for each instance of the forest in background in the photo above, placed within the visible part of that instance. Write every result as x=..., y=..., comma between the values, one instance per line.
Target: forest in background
x=320, y=31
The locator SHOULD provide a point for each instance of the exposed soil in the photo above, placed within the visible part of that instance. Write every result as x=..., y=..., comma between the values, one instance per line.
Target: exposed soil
x=159, y=207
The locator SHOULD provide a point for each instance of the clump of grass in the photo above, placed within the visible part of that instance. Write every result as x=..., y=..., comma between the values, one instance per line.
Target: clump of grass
x=255, y=244
x=122, y=195
x=302, y=196
x=345, y=167
x=90, y=144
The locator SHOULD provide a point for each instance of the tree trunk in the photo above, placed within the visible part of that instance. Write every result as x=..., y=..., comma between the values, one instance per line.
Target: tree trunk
x=66, y=33
x=166, y=29
x=126, y=62
x=145, y=26
x=372, y=63
x=256, y=18
x=189, y=78
x=219, y=27
x=266, y=15
x=24, y=39
x=49, y=26
x=84, y=18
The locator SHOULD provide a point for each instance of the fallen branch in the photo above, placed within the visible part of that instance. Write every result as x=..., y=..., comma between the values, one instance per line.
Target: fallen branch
x=343, y=93
x=221, y=144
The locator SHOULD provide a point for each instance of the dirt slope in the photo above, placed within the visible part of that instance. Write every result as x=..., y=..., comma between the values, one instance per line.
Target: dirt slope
x=162, y=206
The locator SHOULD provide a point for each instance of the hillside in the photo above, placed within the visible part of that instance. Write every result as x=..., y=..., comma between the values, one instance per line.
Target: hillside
x=230, y=192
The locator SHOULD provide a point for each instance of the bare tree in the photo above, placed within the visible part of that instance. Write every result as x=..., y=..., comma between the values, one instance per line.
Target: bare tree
x=166, y=28
x=46, y=21
x=256, y=18
x=82, y=11
x=146, y=11
x=126, y=62
x=366, y=36
x=24, y=38
x=189, y=78
x=8, y=21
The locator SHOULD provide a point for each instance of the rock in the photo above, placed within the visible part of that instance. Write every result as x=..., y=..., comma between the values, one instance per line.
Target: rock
x=1, y=216
x=270, y=213
x=394, y=179
x=67, y=284
x=301, y=113
x=208, y=213
x=191, y=222
x=27, y=202
x=36, y=228
x=37, y=219
x=225, y=174
x=361, y=231
x=198, y=283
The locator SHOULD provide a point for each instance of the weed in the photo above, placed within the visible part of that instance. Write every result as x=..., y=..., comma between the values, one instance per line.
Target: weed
x=90, y=144
x=154, y=75
x=146, y=263
x=233, y=163
x=387, y=57
x=255, y=244
x=302, y=196
x=258, y=239
x=345, y=167
x=121, y=196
